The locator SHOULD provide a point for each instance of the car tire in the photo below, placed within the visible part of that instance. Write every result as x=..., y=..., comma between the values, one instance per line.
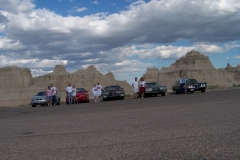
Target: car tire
x=104, y=99
x=42, y=104
x=202, y=90
x=122, y=98
x=163, y=94
x=33, y=105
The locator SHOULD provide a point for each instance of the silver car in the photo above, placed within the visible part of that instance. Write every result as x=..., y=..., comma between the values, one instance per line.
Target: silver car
x=41, y=99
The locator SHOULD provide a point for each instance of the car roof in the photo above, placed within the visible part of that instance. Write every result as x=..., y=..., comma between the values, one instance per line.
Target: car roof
x=113, y=86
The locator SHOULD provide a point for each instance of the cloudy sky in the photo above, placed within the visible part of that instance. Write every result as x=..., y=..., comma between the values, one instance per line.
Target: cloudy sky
x=122, y=36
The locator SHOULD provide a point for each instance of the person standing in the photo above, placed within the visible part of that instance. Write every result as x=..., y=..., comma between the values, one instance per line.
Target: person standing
x=69, y=93
x=49, y=95
x=135, y=88
x=142, y=87
x=180, y=84
x=184, y=85
x=99, y=87
x=74, y=94
x=54, y=93
x=95, y=92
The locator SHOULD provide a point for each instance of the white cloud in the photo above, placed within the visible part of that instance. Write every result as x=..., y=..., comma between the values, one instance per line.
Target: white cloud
x=81, y=9
x=143, y=31
x=236, y=57
x=17, y=5
x=95, y=2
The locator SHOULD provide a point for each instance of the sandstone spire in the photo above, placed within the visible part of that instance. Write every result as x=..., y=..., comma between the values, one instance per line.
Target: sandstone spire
x=60, y=70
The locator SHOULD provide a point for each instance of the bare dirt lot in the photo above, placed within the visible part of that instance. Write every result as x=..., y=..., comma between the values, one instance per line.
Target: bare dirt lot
x=195, y=126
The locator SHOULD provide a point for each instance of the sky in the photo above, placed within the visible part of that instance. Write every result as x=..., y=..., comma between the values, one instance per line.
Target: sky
x=124, y=37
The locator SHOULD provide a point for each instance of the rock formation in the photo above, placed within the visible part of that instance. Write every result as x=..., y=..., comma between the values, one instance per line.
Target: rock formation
x=194, y=65
x=18, y=85
x=81, y=78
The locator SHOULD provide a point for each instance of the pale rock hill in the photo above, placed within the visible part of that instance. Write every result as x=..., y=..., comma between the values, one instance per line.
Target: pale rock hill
x=81, y=78
x=17, y=86
x=194, y=65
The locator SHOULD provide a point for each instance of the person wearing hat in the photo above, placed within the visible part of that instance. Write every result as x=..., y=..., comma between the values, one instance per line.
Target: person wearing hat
x=135, y=88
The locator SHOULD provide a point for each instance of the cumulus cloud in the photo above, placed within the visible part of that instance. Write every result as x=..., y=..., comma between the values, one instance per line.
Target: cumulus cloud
x=81, y=9
x=145, y=30
x=16, y=6
x=95, y=2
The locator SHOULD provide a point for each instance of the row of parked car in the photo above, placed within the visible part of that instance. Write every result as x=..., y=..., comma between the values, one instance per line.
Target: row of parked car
x=117, y=92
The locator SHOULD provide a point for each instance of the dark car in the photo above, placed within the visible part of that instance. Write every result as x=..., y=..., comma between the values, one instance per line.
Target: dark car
x=41, y=99
x=192, y=86
x=198, y=86
x=153, y=89
x=113, y=92
x=81, y=94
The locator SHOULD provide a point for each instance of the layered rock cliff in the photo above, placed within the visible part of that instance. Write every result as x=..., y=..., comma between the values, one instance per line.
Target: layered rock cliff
x=81, y=78
x=18, y=85
x=194, y=65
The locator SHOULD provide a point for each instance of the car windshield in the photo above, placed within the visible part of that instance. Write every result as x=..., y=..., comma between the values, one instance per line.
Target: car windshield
x=80, y=90
x=192, y=80
x=150, y=84
x=112, y=87
x=41, y=94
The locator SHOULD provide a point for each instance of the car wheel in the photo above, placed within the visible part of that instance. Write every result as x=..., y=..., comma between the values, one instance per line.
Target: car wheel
x=104, y=99
x=42, y=104
x=122, y=98
x=203, y=90
x=33, y=105
x=163, y=94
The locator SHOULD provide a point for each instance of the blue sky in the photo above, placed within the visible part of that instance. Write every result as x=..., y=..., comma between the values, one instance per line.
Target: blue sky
x=122, y=36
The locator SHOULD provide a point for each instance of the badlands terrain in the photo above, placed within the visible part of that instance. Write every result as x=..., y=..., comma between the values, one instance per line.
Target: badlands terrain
x=18, y=85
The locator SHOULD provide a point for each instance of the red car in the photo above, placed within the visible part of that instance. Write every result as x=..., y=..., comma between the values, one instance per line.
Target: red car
x=82, y=95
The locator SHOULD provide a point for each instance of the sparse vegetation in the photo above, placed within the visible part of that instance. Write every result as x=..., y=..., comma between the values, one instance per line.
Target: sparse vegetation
x=236, y=85
x=128, y=95
x=214, y=87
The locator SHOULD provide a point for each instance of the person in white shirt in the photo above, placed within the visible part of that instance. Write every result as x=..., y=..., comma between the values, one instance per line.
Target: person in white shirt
x=69, y=93
x=95, y=92
x=74, y=94
x=135, y=88
x=99, y=87
x=54, y=93
x=142, y=87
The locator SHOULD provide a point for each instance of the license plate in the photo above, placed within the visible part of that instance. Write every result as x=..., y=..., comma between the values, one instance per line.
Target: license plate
x=191, y=89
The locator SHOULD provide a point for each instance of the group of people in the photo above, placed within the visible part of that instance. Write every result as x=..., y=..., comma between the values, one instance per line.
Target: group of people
x=51, y=93
x=97, y=91
x=71, y=91
x=183, y=83
x=138, y=88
